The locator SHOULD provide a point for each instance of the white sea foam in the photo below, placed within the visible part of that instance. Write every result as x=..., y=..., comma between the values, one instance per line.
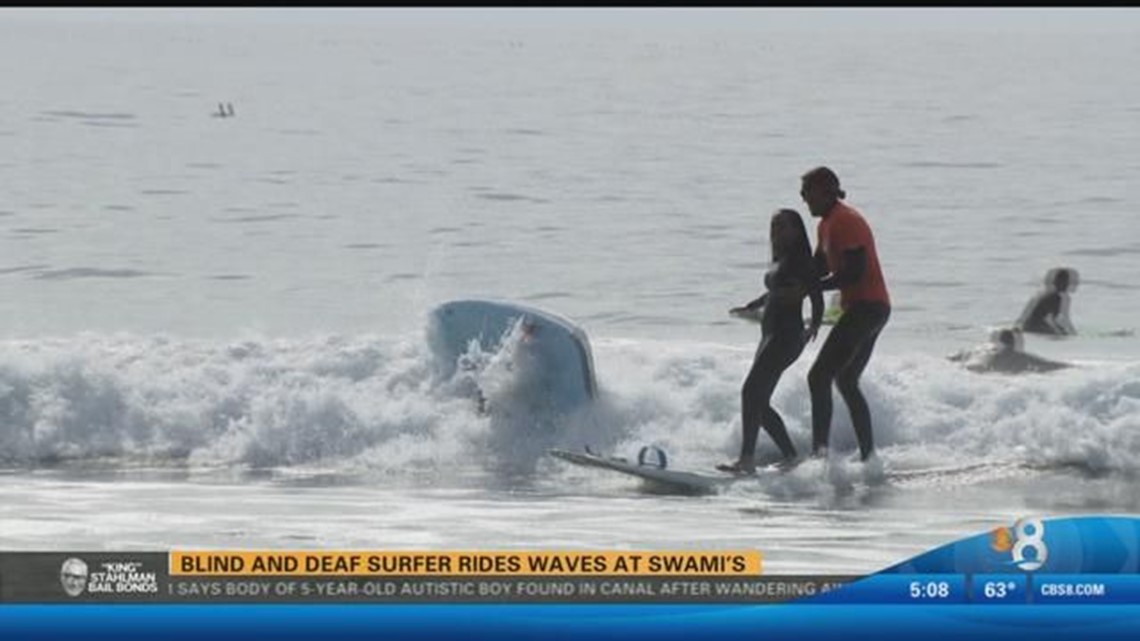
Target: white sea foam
x=342, y=401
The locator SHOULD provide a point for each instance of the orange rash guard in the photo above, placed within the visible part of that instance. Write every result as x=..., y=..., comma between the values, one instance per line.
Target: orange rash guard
x=843, y=229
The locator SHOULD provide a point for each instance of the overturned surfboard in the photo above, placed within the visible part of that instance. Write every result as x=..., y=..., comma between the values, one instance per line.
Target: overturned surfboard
x=555, y=351
x=656, y=476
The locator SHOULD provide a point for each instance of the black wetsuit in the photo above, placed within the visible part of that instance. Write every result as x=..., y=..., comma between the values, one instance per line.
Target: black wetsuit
x=842, y=359
x=1050, y=304
x=782, y=325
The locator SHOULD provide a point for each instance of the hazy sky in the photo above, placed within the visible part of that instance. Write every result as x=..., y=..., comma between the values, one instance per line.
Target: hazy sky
x=875, y=18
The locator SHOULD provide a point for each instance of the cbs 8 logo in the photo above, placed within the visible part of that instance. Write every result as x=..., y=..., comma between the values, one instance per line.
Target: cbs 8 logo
x=1030, y=536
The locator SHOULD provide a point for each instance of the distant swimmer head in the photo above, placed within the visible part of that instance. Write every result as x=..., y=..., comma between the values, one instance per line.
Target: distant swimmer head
x=1009, y=339
x=788, y=235
x=1006, y=339
x=1062, y=279
x=821, y=190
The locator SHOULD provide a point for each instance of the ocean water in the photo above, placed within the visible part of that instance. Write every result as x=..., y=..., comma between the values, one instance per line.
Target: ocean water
x=212, y=329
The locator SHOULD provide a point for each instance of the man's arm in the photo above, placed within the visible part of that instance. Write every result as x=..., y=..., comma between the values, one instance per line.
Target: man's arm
x=1061, y=318
x=1049, y=312
x=1052, y=316
x=853, y=265
x=1038, y=364
x=819, y=260
x=1066, y=323
x=816, y=295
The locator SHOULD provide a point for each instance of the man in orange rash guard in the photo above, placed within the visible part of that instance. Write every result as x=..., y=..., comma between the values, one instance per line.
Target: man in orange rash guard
x=845, y=251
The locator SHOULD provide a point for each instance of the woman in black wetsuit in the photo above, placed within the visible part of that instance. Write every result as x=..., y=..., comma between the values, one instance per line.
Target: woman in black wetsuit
x=790, y=277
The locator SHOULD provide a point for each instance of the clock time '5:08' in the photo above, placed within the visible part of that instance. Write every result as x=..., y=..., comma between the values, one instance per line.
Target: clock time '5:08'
x=929, y=590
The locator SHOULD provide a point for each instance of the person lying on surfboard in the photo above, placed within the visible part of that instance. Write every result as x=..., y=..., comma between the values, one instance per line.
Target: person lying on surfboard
x=790, y=277
x=1005, y=355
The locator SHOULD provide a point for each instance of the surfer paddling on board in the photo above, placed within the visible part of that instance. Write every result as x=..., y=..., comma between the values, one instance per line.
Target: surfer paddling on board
x=845, y=252
x=1006, y=354
x=789, y=278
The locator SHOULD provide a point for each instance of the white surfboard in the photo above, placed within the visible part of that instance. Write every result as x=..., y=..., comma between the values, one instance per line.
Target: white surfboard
x=661, y=480
x=656, y=477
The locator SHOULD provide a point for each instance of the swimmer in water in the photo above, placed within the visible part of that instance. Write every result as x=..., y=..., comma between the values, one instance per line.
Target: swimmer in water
x=1048, y=311
x=1005, y=355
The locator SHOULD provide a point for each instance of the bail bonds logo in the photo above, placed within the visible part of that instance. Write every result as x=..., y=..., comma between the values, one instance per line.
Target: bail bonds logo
x=121, y=577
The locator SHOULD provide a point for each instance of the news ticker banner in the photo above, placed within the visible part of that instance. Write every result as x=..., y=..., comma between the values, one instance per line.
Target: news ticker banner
x=1079, y=561
x=285, y=576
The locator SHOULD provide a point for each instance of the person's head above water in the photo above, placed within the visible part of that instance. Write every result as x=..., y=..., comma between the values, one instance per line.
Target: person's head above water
x=1005, y=337
x=788, y=236
x=1009, y=340
x=820, y=190
x=1060, y=279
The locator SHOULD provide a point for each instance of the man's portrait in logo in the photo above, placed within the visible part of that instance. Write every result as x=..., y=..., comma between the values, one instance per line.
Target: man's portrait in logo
x=73, y=575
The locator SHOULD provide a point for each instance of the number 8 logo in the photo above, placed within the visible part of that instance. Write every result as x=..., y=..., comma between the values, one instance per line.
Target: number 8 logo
x=1027, y=540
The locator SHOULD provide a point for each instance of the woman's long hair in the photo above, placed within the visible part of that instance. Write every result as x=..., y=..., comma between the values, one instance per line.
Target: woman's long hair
x=798, y=252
